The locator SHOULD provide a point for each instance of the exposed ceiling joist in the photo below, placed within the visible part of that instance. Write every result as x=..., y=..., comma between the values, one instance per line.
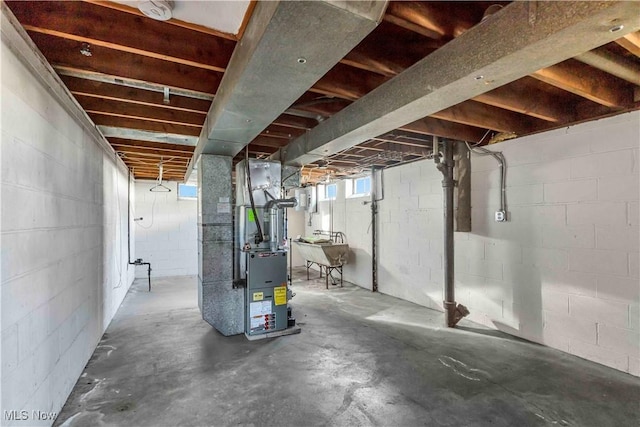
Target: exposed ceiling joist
x=155, y=39
x=142, y=123
x=151, y=146
x=149, y=136
x=473, y=63
x=149, y=112
x=307, y=38
x=65, y=52
x=590, y=83
x=517, y=96
x=129, y=82
x=631, y=42
x=102, y=90
x=616, y=65
x=474, y=113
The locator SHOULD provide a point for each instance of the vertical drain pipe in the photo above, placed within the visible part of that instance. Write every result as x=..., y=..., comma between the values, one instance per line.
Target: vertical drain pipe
x=453, y=313
x=374, y=214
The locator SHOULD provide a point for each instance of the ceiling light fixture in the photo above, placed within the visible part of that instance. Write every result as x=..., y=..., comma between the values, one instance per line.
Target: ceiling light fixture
x=159, y=10
x=86, y=49
x=302, y=60
x=616, y=28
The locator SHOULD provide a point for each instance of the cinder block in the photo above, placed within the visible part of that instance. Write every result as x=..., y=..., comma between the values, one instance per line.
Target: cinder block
x=626, y=134
x=624, y=289
x=526, y=217
x=525, y=194
x=633, y=216
x=32, y=331
x=619, y=188
x=634, y=264
x=634, y=316
x=603, y=213
x=545, y=259
x=430, y=201
x=619, y=237
x=589, y=351
x=555, y=301
x=571, y=191
x=598, y=261
x=571, y=327
x=485, y=268
x=539, y=173
x=582, y=236
x=604, y=164
x=563, y=146
x=9, y=348
x=470, y=248
x=634, y=366
x=555, y=340
x=623, y=340
x=484, y=179
x=603, y=311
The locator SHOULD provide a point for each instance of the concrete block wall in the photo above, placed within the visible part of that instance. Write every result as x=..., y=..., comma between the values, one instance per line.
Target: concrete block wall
x=63, y=237
x=167, y=237
x=562, y=272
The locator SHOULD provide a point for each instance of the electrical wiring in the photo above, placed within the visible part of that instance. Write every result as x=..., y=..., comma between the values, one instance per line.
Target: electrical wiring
x=119, y=233
x=153, y=204
x=481, y=151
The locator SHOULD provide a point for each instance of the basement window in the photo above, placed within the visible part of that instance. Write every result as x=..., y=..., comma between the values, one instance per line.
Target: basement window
x=187, y=192
x=359, y=187
x=330, y=191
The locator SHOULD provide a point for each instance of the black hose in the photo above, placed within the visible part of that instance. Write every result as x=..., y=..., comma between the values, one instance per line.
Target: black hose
x=260, y=237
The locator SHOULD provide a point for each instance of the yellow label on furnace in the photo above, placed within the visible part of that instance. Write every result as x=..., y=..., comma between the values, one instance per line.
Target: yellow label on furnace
x=258, y=296
x=280, y=295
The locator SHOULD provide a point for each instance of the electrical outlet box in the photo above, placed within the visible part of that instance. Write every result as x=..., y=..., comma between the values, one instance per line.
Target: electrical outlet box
x=501, y=216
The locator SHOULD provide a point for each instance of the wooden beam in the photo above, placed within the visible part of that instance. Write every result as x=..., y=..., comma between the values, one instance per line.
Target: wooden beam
x=390, y=49
x=348, y=83
x=126, y=109
x=631, y=42
x=526, y=97
x=276, y=131
x=473, y=113
x=146, y=145
x=79, y=86
x=295, y=122
x=172, y=21
x=444, y=129
x=262, y=149
x=64, y=52
x=587, y=82
x=142, y=123
x=436, y=20
x=617, y=65
x=111, y=28
x=269, y=141
x=130, y=83
x=157, y=154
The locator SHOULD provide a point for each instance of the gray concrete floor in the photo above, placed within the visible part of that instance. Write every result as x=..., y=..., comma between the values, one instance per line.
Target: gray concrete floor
x=361, y=359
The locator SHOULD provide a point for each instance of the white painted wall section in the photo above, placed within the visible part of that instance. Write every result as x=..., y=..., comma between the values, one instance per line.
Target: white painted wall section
x=64, y=266
x=167, y=236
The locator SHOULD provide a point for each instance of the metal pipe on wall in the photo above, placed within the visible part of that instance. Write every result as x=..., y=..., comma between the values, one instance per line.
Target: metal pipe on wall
x=454, y=312
x=374, y=215
x=447, y=186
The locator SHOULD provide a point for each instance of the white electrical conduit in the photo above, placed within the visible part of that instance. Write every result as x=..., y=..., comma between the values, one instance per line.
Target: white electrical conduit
x=481, y=151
